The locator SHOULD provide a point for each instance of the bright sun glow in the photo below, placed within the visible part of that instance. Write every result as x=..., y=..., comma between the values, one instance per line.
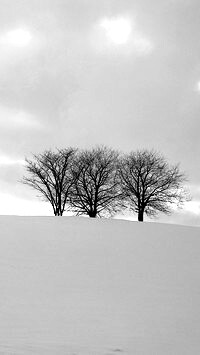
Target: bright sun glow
x=198, y=86
x=118, y=30
x=18, y=38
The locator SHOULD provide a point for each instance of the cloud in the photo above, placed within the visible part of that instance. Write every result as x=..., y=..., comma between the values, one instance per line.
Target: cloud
x=142, y=45
x=192, y=207
x=17, y=38
x=120, y=34
x=6, y=160
x=197, y=87
x=17, y=119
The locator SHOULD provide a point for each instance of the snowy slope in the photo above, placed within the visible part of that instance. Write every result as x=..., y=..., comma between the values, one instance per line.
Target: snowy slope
x=77, y=286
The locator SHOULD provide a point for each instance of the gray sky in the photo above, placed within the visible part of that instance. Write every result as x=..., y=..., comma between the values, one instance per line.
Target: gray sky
x=83, y=72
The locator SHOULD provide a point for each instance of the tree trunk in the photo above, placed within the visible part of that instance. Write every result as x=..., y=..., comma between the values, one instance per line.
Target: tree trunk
x=58, y=212
x=92, y=214
x=141, y=216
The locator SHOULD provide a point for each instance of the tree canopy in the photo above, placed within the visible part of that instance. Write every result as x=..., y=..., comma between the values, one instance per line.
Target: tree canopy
x=96, y=185
x=149, y=184
x=50, y=173
x=101, y=182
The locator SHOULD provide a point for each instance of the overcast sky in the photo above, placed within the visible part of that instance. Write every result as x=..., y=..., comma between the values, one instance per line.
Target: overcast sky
x=83, y=72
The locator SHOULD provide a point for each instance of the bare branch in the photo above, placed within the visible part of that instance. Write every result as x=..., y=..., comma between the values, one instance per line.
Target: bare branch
x=96, y=188
x=149, y=184
x=50, y=173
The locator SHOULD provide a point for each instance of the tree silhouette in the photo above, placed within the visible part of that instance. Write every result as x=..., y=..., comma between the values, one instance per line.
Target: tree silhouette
x=96, y=186
x=149, y=185
x=50, y=173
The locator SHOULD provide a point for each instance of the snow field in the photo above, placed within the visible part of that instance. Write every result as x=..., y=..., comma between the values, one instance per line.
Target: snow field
x=79, y=286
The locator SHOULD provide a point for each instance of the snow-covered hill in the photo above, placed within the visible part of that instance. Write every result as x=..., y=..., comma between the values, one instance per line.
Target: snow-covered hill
x=78, y=286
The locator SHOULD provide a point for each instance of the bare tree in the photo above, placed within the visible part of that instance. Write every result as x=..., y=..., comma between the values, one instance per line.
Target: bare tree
x=50, y=174
x=96, y=188
x=149, y=184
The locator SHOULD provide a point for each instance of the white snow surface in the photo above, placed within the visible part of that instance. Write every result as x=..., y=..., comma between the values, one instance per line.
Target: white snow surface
x=80, y=286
